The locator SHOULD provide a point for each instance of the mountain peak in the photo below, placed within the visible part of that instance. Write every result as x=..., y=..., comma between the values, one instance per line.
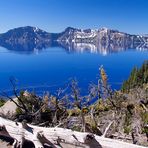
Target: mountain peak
x=33, y=37
x=25, y=29
x=104, y=28
x=70, y=28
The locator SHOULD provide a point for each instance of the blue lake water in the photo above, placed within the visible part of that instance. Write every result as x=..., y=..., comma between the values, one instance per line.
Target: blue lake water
x=54, y=67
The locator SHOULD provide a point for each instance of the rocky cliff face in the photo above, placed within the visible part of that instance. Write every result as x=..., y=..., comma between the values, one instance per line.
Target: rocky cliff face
x=102, y=40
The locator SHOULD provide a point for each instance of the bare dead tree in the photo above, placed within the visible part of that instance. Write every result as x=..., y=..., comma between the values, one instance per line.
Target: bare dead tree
x=58, y=105
x=78, y=102
x=14, y=89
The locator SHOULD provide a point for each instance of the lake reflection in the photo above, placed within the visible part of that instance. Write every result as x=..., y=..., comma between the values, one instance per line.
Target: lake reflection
x=49, y=68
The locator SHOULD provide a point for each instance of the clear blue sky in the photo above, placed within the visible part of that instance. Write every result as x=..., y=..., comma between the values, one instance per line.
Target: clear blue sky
x=55, y=15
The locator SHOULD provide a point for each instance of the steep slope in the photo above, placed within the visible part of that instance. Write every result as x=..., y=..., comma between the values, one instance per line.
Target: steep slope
x=102, y=38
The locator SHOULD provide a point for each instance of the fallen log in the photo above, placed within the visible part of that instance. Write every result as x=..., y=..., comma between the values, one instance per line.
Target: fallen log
x=56, y=137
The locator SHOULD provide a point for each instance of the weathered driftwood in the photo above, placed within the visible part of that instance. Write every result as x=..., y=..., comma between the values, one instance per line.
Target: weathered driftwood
x=107, y=128
x=56, y=137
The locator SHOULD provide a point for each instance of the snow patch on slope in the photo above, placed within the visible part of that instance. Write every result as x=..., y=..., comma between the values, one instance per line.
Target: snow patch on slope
x=82, y=34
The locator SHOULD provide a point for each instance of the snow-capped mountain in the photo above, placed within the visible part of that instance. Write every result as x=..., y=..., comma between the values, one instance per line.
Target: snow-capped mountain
x=102, y=35
x=103, y=40
x=30, y=38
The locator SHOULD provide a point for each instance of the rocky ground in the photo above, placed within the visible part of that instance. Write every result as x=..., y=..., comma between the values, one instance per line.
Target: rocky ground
x=4, y=144
x=9, y=108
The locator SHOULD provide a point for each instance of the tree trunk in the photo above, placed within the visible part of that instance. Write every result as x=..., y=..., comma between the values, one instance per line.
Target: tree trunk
x=83, y=122
x=56, y=137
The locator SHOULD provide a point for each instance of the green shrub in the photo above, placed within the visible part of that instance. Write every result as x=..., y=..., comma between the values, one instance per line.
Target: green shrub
x=127, y=129
x=144, y=116
x=18, y=111
x=127, y=123
x=2, y=102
